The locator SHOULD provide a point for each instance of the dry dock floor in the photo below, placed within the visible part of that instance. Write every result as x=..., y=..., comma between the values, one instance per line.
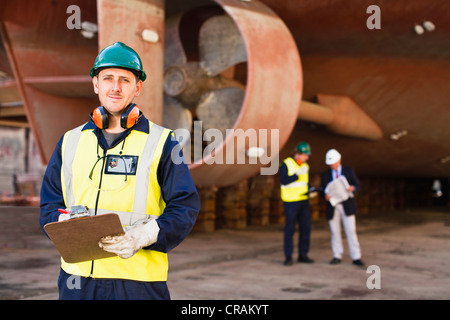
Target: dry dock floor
x=409, y=249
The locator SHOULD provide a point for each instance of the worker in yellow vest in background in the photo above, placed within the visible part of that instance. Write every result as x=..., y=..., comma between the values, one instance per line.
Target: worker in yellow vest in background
x=294, y=176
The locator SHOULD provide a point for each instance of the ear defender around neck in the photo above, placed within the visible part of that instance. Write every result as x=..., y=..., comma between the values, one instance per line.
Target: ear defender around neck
x=130, y=116
x=100, y=117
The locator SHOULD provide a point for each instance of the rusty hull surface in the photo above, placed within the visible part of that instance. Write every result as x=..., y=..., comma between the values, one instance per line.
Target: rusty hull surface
x=51, y=73
x=397, y=77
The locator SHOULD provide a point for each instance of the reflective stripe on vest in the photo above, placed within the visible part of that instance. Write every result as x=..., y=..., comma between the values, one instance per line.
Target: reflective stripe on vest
x=298, y=189
x=135, y=198
x=69, y=156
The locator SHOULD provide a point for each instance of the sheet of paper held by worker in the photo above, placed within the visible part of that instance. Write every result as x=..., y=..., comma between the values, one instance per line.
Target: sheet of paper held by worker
x=338, y=190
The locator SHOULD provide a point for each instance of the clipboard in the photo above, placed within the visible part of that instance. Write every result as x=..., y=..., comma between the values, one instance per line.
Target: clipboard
x=77, y=239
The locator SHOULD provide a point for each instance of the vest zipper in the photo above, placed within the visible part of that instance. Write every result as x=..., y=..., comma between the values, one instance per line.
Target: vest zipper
x=96, y=203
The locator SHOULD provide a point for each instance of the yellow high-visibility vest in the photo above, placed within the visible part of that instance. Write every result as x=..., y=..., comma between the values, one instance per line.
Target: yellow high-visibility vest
x=134, y=196
x=297, y=190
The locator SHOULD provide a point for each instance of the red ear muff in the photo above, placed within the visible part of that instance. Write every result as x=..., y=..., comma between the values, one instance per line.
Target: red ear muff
x=130, y=116
x=100, y=117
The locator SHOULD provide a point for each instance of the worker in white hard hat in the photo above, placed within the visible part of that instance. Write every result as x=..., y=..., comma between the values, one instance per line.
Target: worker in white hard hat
x=344, y=211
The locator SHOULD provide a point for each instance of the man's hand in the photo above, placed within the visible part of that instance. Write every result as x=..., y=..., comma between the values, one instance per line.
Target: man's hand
x=125, y=246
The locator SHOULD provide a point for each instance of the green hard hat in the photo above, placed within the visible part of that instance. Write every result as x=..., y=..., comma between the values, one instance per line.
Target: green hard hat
x=303, y=147
x=119, y=55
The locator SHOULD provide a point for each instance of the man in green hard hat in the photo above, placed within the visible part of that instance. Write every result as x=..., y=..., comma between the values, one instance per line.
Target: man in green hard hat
x=120, y=62
x=120, y=162
x=294, y=176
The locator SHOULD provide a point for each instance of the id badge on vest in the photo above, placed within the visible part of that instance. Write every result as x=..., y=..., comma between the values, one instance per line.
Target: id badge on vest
x=123, y=165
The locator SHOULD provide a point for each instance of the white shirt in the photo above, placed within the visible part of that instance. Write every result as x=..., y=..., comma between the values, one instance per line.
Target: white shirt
x=338, y=172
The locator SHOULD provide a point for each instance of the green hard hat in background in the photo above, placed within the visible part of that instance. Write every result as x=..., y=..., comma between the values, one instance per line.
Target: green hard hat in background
x=119, y=55
x=303, y=147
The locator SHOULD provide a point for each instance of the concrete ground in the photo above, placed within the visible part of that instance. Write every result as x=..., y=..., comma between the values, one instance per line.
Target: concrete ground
x=409, y=249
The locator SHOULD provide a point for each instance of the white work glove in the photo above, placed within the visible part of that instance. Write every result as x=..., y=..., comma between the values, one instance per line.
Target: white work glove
x=301, y=171
x=136, y=238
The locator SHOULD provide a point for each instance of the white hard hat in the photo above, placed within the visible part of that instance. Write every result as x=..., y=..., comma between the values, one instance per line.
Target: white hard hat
x=332, y=156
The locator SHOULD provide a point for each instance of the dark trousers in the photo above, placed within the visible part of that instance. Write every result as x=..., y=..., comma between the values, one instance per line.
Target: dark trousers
x=297, y=212
x=80, y=288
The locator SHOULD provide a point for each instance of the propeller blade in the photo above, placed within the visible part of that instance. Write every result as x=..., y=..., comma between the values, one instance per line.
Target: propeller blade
x=174, y=53
x=220, y=108
x=220, y=45
x=175, y=116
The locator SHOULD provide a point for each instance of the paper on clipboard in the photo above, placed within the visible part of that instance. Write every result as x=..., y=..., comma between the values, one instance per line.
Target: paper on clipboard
x=338, y=190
